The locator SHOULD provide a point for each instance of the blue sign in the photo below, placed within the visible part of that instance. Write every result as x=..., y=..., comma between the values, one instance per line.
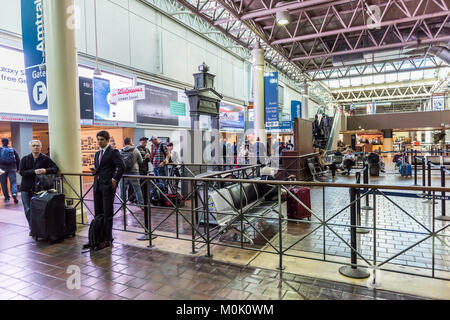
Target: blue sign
x=271, y=97
x=283, y=126
x=33, y=48
x=296, y=110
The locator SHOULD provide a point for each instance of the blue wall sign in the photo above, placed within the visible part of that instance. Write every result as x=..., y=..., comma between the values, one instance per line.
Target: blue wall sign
x=296, y=110
x=33, y=48
x=271, y=97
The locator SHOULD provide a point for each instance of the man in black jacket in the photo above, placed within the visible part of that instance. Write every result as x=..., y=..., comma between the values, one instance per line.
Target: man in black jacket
x=36, y=163
x=9, y=162
x=108, y=171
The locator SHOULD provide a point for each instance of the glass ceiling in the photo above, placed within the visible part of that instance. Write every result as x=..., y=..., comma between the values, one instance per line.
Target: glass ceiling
x=383, y=78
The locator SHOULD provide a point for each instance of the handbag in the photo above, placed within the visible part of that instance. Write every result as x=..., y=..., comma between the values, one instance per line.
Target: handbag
x=44, y=182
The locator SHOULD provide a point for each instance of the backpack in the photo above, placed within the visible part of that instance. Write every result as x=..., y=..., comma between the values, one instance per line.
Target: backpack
x=156, y=197
x=128, y=159
x=96, y=232
x=7, y=156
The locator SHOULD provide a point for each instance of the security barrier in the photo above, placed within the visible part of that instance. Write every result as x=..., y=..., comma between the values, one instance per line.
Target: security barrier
x=193, y=207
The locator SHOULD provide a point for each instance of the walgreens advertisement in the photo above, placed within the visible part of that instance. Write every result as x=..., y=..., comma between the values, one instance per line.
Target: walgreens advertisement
x=96, y=106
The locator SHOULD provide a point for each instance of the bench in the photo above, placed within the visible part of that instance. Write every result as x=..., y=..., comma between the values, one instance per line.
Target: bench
x=316, y=169
x=228, y=206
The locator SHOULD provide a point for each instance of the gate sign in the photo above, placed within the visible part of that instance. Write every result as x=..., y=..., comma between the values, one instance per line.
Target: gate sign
x=33, y=48
x=127, y=94
x=271, y=97
x=296, y=110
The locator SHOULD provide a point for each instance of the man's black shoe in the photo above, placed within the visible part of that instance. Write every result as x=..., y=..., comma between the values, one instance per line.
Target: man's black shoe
x=103, y=245
x=15, y=199
x=6, y=199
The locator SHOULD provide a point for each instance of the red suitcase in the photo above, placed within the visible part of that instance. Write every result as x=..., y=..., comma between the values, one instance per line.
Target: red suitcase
x=294, y=209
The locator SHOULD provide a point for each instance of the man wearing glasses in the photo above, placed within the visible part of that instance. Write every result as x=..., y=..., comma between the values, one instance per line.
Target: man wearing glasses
x=36, y=163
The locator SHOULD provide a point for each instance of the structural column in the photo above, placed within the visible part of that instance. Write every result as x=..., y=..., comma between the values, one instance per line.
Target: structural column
x=258, y=94
x=215, y=140
x=305, y=98
x=62, y=84
x=387, y=141
x=21, y=135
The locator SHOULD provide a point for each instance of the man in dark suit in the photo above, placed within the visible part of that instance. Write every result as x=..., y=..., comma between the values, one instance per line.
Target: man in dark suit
x=108, y=171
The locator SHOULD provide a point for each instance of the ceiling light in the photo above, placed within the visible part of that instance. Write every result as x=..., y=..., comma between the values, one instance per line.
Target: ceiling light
x=282, y=17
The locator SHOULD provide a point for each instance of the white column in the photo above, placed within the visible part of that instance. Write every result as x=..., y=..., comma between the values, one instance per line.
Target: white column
x=62, y=84
x=258, y=93
x=305, y=98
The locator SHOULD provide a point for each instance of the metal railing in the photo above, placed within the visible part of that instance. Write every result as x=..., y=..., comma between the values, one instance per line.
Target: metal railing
x=192, y=208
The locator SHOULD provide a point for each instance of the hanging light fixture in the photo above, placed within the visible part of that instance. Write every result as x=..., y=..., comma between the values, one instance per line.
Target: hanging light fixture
x=97, y=71
x=282, y=17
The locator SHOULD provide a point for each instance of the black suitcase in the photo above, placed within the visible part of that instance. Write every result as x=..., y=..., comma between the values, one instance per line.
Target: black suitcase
x=47, y=216
x=70, y=226
x=374, y=170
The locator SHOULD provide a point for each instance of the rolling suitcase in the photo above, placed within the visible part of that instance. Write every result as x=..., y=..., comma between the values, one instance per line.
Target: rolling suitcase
x=407, y=170
x=47, y=215
x=70, y=226
x=294, y=209
x=374, y=170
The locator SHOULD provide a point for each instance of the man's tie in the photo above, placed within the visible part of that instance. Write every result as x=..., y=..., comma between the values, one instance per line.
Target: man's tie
x=100, y=157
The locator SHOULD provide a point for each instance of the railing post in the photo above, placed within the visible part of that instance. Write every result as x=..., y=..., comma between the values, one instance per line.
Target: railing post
x=442, y=217
x=206, y=218
x=366, y=181
x=429, y=177
x=144, y=184
x=424, y=173
x=124, y=203
x=193, y=220
x=81, y=198
x=415, y=168
x=150, y=232
x=280, y=231
x=353, y=271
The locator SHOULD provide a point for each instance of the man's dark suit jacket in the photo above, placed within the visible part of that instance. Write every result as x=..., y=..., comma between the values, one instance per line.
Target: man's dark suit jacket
x=28, y=166
x=111, y=167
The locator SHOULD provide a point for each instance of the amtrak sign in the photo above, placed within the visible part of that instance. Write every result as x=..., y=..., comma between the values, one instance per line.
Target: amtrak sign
x=33, y=47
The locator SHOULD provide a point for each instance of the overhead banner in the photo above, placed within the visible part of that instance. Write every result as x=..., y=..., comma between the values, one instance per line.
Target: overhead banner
x=438, y=103
x=371, y=108
x=33, y=47
x=127, y=94
x=271, y=97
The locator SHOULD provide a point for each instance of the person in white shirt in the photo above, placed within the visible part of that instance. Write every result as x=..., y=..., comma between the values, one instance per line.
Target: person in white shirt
x=174, y=159
x=349, y=161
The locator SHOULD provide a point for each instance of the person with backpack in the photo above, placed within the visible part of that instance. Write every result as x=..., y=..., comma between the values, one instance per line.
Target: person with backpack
x=160, y=157
x=32, y=165
x=9, y=163
x=132, y=160
x=107, y=172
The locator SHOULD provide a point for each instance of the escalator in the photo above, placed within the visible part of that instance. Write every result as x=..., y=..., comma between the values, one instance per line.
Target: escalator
x=329, y=143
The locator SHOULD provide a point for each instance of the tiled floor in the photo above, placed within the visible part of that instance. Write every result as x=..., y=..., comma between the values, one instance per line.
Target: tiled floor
x=405, y=222
x=36, y=270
